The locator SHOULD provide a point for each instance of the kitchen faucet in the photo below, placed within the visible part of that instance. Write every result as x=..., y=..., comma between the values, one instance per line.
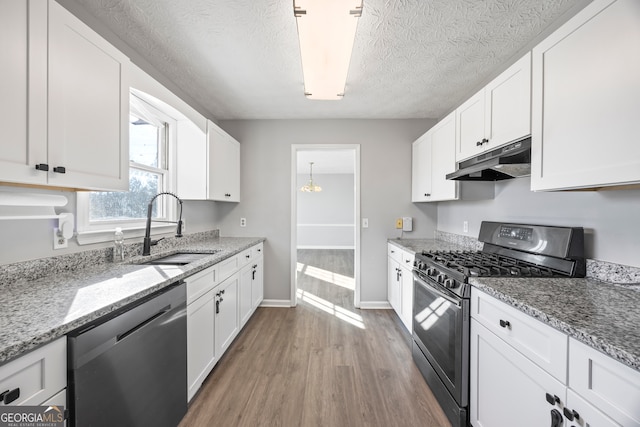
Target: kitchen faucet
x=147, y=243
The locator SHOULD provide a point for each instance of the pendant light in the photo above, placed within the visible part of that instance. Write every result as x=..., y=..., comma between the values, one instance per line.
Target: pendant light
x=311, y=187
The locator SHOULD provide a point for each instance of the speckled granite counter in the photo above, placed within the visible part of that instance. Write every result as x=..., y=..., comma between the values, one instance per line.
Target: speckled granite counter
x=36, y=311
x=602, y=315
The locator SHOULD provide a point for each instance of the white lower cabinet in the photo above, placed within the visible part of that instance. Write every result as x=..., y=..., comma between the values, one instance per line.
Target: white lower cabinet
x=219, y=303
x=507, y=389
x=226, y=307
x=35, y=377
x=400, y=283
x=518, y=374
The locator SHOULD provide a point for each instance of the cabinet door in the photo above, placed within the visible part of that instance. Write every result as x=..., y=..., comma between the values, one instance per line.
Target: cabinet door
x=407, y=298
x=507, y=388
x=191, y=161
x=200, y=341
x=245, y=297
x=394, y=282
x=23, y=114
x=470, y=123
x=88, y=107
x=257, y=282
x=607, y=384
x=443, y=159
x=588, y=415
x=508, y=104
x=586, y=100
x=421, y=169
x=224, y=165
x=227, y=318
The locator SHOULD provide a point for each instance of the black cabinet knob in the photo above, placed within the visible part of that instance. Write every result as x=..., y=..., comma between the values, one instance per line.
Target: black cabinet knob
x=571, y=414
x=552, y=399
x=42, y=167
x=10, y=395
x=60, y=169
x=505, y=323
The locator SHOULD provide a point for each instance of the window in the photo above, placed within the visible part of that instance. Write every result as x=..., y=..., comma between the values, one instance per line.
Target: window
x=151, y=134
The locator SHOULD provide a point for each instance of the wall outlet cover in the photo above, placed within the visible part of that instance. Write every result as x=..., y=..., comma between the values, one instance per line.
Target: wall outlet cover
x=407, y=223
x=399, y=223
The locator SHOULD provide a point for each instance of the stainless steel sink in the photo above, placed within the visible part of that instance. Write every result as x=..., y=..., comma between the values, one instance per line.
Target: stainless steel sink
x=180, y=258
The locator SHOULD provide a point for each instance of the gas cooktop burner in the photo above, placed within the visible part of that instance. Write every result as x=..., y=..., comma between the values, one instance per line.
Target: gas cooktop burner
x=481, y=264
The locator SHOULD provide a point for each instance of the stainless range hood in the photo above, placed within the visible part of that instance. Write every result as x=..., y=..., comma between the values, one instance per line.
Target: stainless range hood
x=511, y=161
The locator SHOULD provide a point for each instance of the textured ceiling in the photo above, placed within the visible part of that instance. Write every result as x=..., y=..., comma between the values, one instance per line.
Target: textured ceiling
x=412, y=58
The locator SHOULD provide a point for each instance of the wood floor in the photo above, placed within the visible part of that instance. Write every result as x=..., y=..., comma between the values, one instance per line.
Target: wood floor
x=322, y=363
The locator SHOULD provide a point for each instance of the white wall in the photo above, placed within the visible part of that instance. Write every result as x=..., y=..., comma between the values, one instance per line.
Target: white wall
x=385, y=160
x=25, y=240
x=610, y=218
x=326, y=218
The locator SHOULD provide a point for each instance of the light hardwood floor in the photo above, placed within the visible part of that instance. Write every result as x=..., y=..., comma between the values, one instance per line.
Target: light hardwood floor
x=322, y=363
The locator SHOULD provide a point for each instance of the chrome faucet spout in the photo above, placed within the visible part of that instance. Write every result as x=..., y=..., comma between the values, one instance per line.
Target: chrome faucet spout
x=147, y=242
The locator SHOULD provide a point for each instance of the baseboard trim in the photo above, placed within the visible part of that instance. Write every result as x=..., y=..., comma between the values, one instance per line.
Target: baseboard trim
x=325, y=247
x=375, y=305
x=276, y=303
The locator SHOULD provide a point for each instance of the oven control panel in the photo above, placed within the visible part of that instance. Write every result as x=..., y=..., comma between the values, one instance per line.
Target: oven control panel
x=517, y=233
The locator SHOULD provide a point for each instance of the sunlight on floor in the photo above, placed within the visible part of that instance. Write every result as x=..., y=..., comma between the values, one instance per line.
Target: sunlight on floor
x=328, y=307
x=328, y=276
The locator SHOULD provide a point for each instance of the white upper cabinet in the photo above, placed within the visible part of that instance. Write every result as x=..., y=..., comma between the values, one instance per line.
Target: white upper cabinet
x=498, y=114
x=586, y=100
x=471, y=121
x=77, y=105
x=224, y=165
x=23, y=115
x=421, y=169
x=191, y=161
x=508, y=104
x=433, y=158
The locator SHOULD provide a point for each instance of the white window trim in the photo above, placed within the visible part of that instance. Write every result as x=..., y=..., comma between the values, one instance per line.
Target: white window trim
x=88, y=233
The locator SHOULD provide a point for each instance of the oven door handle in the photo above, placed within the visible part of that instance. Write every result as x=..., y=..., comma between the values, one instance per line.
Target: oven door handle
x=437, y=291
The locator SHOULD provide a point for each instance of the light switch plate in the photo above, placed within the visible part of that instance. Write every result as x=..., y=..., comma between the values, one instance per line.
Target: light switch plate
x=365, y=222
x=399, y=223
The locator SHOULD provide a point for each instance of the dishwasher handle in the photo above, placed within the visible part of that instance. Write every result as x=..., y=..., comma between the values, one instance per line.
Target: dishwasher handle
x=123, y=335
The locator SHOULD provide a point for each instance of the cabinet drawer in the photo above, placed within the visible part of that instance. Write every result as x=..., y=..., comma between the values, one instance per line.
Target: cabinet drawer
x=394, y=252
x=544, y=345
x=200, y=283
x=607, y=384
x=407, y=259
x=589, y=415
x=244, y=257
x=39, y=374
x=257, y=250
x=227, y=267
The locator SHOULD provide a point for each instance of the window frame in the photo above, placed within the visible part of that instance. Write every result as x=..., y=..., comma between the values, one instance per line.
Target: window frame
x=102, y=230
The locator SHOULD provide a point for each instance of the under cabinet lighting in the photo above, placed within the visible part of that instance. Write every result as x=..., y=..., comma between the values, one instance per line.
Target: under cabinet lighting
x=326, y=29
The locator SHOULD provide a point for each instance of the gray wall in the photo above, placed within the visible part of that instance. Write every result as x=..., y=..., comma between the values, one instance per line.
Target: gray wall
x=31, y=239
x=385, y=159
x=610, y=218
x=323, y=216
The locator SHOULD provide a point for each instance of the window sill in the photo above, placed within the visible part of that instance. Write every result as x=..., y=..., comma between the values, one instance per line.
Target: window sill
x=101, y=236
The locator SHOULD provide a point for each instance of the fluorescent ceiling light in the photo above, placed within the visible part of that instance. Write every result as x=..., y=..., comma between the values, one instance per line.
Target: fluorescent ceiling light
x=326, y=29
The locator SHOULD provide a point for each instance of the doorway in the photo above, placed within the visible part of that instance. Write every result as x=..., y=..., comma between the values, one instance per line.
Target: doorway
x=325, y=232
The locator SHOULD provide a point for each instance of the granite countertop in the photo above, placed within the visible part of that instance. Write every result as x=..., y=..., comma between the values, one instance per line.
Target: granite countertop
x=600, y=314
x=36, y=311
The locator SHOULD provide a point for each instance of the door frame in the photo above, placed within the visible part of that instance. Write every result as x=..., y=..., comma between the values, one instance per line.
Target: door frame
x=294, y=212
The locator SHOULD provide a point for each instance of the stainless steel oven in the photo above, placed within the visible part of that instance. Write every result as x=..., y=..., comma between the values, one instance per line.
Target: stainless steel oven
x=441, y=344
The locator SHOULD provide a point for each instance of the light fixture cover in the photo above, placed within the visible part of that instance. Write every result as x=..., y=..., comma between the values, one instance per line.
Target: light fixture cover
x=326, y=29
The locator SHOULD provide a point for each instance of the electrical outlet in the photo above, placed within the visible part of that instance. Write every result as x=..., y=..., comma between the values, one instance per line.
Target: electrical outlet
x=243, y=222
x=465, y=226
x=399, y=223
x=59, y=242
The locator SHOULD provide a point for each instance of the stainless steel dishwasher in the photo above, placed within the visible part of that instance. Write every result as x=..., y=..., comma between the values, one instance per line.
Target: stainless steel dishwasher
x=129, y=368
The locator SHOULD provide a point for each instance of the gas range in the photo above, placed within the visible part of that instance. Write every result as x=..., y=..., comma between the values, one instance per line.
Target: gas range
x=510, y=250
